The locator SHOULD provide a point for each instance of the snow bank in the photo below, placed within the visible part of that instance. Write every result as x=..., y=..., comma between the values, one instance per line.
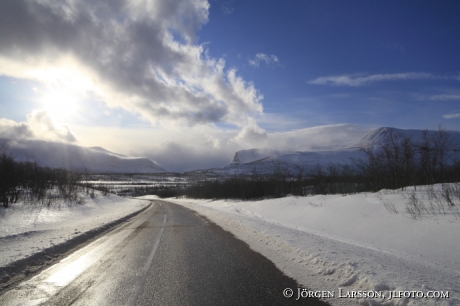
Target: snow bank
x=351, y=243
x=26, y=230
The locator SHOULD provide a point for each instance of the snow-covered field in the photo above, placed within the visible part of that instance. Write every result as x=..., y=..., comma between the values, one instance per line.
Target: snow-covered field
x=335, y=243
x=29, y=229
x=352, y=243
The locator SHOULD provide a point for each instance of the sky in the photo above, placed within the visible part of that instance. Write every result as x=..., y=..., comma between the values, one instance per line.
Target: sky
x=188, y=83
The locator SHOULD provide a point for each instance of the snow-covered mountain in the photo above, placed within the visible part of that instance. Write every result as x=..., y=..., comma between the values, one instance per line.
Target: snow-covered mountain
x=246, y=162
x=291, y=162
x=377, y=136
x=73, y=157
x=247, y=156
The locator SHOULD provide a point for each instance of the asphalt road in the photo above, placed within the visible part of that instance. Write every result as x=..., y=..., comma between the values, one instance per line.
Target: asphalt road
x=166, y=255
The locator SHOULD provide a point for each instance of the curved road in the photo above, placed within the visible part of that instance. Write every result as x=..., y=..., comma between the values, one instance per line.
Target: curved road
x=166, y=255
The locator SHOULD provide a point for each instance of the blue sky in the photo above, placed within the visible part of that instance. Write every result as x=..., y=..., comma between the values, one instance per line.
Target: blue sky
x=189, y=82
x=313, y=39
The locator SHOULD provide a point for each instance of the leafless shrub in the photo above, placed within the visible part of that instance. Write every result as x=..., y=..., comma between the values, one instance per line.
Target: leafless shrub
x=80, y=200
x=390, y=206
x=433, y=207
x=315, y=205
x=415, y=207
x=456, y=190
x=447, y=194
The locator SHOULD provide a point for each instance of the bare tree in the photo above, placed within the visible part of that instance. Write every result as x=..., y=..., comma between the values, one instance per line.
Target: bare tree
x=435, y=149
x=9, y=177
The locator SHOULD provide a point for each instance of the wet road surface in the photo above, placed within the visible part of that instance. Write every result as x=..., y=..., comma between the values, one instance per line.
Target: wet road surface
x=166, y=255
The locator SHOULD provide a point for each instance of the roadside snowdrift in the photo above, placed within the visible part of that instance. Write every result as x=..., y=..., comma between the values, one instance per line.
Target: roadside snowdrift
x=26, y=230
x=350, y=242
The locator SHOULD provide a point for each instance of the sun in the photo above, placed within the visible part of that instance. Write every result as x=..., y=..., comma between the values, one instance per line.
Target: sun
x=60, y=104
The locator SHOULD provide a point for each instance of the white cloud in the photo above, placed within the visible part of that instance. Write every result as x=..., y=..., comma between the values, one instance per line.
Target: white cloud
x=264, y=58
x=139, y=55
x=326, y=137
x=454, y=115
x=227, y=7
x=43, y=127
x=279, y=122
x=444, y=97
x=359, y=80
x=203, y=147
x=175, y=149
x=251, y=136
x=38, y=126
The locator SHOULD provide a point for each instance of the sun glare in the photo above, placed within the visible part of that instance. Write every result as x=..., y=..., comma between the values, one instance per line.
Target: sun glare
x=60, y=104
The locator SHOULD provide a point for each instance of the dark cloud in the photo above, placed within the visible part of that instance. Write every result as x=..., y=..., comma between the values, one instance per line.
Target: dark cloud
x=12, y=130
x=38, y=126
x=141, y=55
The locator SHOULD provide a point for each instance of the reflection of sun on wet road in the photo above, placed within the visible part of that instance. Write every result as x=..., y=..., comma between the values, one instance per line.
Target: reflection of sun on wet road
x=167, y=255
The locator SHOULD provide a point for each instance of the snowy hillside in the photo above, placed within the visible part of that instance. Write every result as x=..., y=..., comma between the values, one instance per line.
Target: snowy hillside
x=268, y=161
x=292, y=162
x=72, y=157
x=247, y=156
x=377, y=136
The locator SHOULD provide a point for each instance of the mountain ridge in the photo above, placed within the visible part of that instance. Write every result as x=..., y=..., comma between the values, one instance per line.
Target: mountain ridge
x=78, y=158
x=269, y=161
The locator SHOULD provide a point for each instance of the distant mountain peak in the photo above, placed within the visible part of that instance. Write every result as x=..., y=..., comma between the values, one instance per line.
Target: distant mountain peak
x=251, y=155
x=102, y=150
x=77, y=158
x=265, y=161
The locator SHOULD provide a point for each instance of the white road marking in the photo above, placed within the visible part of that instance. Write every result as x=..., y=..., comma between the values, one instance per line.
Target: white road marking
x=148, y=263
